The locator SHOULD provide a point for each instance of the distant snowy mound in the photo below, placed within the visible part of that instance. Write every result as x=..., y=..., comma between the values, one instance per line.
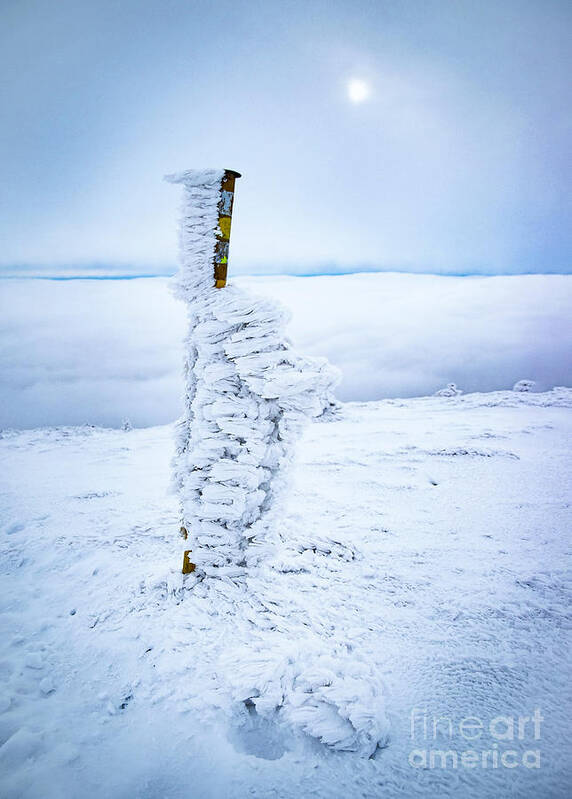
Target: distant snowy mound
x=450, y=390
x=524, y=385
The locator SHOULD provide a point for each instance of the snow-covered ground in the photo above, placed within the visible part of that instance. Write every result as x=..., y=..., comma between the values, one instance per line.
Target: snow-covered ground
x=424, y=552
x=100, y=350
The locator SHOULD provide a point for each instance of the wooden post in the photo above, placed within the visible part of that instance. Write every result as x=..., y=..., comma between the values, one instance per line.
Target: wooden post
x=223, y=232
x=220, y=264
x=188, y=565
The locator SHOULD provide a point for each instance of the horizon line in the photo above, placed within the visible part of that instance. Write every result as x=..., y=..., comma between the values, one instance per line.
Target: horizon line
x=339, y=273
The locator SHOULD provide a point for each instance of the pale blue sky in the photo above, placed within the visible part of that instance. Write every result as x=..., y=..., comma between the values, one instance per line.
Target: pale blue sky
x=459, y=161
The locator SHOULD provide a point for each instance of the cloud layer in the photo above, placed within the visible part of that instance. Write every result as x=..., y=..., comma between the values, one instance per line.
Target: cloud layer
x=99, y=351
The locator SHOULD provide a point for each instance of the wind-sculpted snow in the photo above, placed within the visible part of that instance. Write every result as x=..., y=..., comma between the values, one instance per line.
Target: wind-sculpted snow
x=246, y=397
x=331, y=696
x=199, y=221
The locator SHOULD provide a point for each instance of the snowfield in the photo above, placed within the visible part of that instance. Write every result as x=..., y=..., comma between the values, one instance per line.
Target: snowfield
x=422, y=575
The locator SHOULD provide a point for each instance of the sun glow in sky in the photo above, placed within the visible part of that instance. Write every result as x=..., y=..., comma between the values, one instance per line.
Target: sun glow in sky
x=358, y=90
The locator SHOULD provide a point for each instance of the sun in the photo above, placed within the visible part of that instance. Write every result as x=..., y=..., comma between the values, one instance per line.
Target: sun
x=358, y=90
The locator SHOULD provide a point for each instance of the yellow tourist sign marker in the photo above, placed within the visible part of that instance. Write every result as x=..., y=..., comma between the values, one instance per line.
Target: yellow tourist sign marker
x=223, y=230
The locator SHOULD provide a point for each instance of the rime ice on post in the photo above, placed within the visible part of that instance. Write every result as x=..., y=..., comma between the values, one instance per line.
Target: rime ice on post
x=246, y=393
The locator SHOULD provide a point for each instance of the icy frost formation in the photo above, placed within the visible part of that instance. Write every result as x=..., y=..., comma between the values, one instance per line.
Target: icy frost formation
x=330, y=695
x=450, y=390
x=524, y=386
x=247, y=395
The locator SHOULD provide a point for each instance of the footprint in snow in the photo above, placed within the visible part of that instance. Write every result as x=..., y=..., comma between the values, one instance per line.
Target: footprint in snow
x=34, y=660
x=254, y=735
x=47, y=686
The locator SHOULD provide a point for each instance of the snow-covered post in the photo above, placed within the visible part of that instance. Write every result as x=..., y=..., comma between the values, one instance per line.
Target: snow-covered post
x=246, y=392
